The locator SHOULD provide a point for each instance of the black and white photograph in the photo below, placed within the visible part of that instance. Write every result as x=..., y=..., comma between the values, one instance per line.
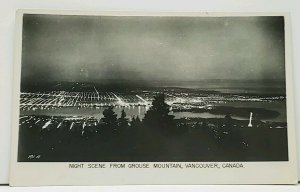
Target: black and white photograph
x=118, y=98
x=152, y=89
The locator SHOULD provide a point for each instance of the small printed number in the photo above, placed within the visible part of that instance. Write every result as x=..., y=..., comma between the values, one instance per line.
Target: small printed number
x=34, y=156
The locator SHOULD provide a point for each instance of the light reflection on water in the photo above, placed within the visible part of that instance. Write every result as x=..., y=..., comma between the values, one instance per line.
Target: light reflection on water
x=88, y=112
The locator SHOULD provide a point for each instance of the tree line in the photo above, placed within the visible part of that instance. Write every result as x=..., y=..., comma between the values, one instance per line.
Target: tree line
x=157, y=118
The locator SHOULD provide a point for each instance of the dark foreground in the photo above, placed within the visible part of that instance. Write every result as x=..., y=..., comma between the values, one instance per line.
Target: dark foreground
x=192, y=140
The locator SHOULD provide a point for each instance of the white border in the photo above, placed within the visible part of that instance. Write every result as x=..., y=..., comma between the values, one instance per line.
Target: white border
x=35, y=174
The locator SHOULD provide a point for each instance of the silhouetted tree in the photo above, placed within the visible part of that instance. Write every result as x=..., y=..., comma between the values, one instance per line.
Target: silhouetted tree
x=123, y=121
x=135, y=129
x=229, y=137
x=109, y=121
x=136, y=123
x=228, y=124
x=157, y=117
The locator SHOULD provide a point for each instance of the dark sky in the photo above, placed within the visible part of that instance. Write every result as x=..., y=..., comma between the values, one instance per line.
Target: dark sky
x=93, y=48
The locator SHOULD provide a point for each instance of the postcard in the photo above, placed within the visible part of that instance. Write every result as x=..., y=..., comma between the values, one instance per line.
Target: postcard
x=113, y=98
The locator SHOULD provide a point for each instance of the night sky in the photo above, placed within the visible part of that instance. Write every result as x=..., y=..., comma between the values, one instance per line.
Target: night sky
x=94, y=48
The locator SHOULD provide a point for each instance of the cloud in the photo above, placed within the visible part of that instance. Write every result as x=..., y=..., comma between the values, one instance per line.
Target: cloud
x=152, y=48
